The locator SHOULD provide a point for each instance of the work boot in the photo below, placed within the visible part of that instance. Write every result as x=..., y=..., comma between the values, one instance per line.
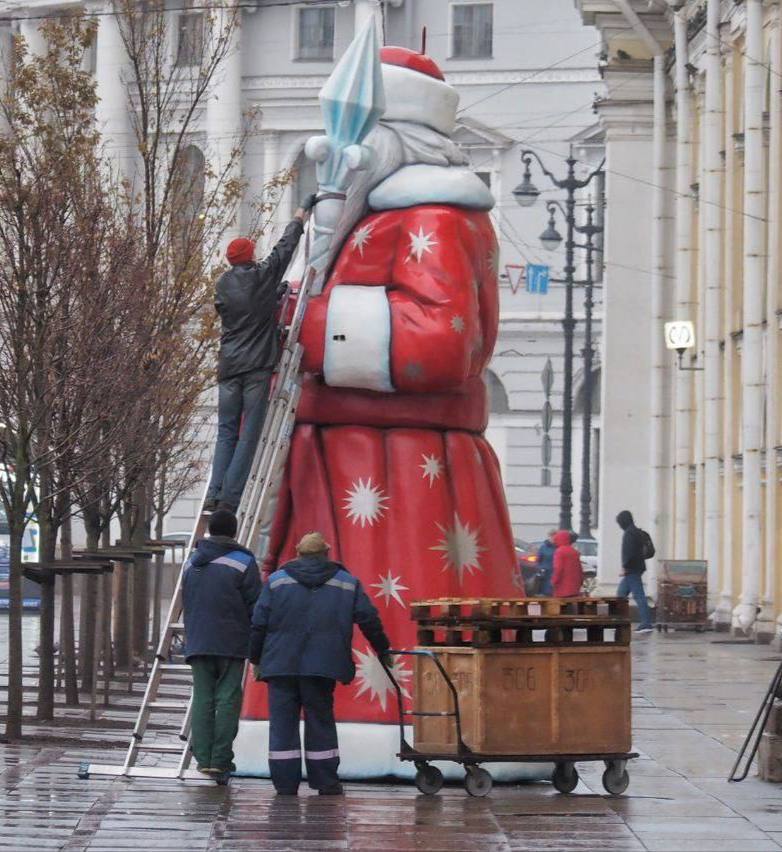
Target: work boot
x=334, y=790
x=210, y=504
x=227, y=506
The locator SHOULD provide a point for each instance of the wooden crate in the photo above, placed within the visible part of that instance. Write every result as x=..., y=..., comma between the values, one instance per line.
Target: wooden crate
x=547, y=700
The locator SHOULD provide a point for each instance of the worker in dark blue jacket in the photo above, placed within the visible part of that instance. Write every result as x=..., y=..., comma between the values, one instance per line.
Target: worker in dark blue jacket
x=220, y=586
x=301, y=636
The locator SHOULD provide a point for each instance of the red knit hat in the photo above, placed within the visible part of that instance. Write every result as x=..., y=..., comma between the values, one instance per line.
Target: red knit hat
x=240, y=250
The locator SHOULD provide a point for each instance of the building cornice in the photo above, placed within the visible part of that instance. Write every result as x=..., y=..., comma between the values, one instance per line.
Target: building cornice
x=457, y=78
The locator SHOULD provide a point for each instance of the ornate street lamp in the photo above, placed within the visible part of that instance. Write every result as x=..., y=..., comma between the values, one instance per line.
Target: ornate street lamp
x=526, y=194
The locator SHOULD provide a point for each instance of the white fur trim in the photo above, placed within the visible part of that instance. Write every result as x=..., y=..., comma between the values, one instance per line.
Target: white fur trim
x=425, y=184
x=367, y=751
x=417, y=97
x=358, y=338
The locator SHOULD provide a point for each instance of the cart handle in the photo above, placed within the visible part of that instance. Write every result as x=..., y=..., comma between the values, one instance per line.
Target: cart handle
x=433, y=655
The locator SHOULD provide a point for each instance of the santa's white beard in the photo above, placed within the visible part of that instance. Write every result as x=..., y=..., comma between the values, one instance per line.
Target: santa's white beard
x=394, y=144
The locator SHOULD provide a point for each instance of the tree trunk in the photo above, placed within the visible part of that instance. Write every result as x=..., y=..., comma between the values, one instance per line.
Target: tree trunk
x=121, y=610
x=157, y=593
x=68, y=639
x=46, y=633
x=140, y=603
x=88, y=601
x=13, y=724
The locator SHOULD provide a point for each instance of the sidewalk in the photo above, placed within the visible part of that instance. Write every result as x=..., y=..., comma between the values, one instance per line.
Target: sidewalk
x=694, y=698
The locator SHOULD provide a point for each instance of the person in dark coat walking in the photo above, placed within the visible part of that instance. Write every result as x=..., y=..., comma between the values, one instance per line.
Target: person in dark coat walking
x=633, y=567
x=546, y=564
x=220, y=586
x=246, y=299
x=302, y=630
x=568, y=575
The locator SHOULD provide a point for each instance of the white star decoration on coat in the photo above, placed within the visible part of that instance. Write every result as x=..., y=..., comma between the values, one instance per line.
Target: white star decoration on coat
x=372, y=678
x=390, y=587
x=365, y=502
x=432, y=468
x=420, y=244
x=457, y=324
x=361, y=238
x=494, y=260
x=460, y=548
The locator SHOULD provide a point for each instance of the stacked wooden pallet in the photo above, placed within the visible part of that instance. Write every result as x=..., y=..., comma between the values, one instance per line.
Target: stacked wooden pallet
x=487, y=622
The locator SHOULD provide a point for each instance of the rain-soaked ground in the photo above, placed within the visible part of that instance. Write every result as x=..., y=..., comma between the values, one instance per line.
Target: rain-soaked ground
x=694, y=698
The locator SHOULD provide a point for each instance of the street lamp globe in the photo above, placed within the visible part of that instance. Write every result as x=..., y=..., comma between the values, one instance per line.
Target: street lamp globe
x=551, y=238
x=526, y=193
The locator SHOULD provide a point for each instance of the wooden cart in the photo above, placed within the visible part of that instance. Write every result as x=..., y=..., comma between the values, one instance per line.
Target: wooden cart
x=520, y=681
x=682, y=592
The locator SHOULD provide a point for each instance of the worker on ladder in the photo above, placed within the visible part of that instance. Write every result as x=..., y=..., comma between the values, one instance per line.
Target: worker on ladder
x=246, y=300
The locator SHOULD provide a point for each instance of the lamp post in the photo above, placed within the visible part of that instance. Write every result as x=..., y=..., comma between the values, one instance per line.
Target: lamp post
x=526, y=194
x=589, y=230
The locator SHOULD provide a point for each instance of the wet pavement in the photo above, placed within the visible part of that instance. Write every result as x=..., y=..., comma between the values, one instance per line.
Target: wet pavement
x=694, y=698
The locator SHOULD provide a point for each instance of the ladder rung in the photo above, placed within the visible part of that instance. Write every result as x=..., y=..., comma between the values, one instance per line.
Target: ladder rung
x=175, y=667
x=163, y=748
x=177, y=627
x=179, y=706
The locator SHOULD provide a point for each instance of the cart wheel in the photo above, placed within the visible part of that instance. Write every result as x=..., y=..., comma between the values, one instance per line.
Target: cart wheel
x=477, y=781
x=615, y=778
x=565, y=777
x=428, y=779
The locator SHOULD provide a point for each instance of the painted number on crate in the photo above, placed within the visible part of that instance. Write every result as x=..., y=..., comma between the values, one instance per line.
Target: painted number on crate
x=522, y=678
x=577, y=680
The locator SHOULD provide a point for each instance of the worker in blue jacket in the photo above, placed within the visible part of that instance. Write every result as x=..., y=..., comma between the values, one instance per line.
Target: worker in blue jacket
x=300, y=642
x=220, y=585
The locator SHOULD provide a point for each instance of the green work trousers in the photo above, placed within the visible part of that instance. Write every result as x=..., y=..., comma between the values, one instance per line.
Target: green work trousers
x=217, y=701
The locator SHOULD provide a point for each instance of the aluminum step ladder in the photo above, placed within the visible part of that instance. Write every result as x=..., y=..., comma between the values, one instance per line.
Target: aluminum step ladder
x=254, y=516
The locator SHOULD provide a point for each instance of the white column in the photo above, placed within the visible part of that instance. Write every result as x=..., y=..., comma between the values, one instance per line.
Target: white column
x=711, y=212
x=724, y=612
x=752, y=340
x=659, y=512
x=271, y=167
x=28, y=29
x=112, y=112
x=767, y=627
x=627, y=314
x=684, y=306
x=224, y=107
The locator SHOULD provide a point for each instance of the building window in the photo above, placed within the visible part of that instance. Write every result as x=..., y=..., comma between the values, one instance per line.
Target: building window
x=472, y=30
x=190, y=39
x=315, y=34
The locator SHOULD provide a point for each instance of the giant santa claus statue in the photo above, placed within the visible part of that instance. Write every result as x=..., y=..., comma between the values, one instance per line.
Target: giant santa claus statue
x=388, y=459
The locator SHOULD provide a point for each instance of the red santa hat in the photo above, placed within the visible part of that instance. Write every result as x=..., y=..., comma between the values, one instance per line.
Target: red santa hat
x=416, y=90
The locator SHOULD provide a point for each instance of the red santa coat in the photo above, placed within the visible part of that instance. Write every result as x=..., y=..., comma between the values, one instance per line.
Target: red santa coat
x=388, y=459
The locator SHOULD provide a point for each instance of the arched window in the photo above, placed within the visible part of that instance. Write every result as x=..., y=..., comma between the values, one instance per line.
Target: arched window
x=498, y=396
x=187, y=197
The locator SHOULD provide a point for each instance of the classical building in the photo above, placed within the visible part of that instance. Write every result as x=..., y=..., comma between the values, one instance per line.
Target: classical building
x=693, y=130
x=527, y=77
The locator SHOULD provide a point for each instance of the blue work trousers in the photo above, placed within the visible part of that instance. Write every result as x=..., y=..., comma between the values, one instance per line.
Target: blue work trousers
x=288, y=697
x=241, y=404
x=633, y=584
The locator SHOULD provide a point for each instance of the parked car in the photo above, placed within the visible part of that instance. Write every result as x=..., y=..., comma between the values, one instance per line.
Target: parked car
x=527, y=561
x=588, y=549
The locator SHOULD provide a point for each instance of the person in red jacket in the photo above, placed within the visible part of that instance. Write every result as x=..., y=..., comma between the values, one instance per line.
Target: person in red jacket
x=568, y=574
